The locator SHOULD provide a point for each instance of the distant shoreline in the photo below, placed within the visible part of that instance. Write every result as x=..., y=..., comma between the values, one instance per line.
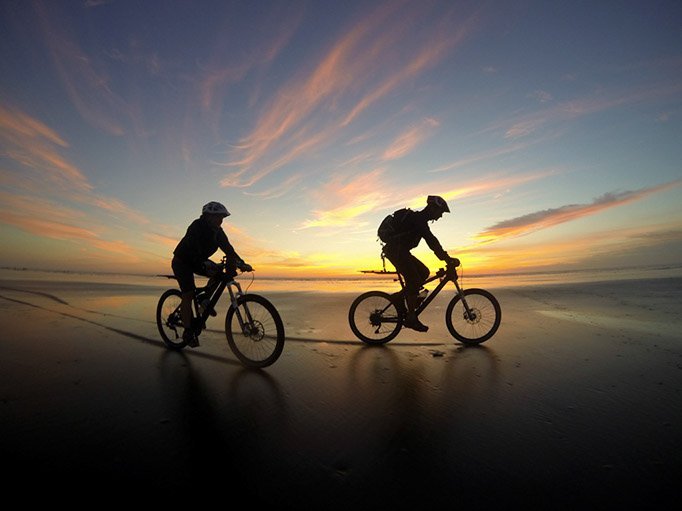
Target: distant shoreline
x=354, y=283
x=675, y=269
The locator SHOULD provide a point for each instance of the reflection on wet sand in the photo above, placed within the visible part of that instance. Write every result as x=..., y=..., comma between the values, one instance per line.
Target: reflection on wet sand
x=563, y=411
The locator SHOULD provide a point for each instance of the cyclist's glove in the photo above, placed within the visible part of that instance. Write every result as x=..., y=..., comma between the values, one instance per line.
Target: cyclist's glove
x=244, y=266
x=452, y=261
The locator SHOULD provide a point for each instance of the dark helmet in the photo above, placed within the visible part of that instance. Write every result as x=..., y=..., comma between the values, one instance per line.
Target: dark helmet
x=438, y=202
x=215, y=208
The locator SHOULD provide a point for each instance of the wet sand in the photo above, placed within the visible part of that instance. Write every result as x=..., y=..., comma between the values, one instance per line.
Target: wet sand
x=574, y=402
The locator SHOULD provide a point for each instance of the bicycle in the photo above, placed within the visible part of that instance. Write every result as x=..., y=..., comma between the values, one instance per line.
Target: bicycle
x=472, y=316
x=253, y=327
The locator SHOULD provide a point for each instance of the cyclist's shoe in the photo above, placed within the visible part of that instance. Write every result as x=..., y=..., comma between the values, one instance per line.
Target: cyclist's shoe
x=205, y=303
x=412, y=322
x=190, y=338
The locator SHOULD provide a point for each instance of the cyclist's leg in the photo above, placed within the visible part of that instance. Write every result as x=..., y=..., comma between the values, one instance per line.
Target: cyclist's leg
x=185, y=276
x=415, y=273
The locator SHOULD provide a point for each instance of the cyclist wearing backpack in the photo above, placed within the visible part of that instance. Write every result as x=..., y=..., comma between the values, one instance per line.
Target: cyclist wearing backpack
x=204, y=236
x=401, y=232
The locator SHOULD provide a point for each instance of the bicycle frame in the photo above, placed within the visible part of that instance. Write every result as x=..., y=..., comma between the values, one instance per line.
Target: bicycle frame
x=445, y=277
x=215, y=291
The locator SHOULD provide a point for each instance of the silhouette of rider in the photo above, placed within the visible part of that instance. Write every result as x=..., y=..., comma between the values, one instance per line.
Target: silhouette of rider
x=413, y=228
x=203, y=237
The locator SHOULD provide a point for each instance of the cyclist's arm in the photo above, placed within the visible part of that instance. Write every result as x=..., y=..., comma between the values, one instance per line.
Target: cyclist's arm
x=434, y=244
x=225, y=245
x=230, y=252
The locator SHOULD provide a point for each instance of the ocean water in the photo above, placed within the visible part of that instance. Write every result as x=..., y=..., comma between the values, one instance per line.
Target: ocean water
x=140, y=283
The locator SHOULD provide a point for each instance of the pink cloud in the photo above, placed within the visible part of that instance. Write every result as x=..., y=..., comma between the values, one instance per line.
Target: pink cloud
x=406, y=142
x=538, y=220
x=313, y=108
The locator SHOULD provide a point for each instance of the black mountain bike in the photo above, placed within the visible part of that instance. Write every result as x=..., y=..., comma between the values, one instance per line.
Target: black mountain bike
x=472, y=316
x=253, y=327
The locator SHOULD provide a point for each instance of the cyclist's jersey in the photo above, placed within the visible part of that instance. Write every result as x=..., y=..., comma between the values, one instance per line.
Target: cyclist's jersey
x=415, y=227
x=201, y=241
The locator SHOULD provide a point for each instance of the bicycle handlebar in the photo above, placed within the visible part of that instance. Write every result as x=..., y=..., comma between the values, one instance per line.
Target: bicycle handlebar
x=449, y=271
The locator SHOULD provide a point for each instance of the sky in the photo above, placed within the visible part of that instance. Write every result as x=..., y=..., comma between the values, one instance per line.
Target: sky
x=552, y=128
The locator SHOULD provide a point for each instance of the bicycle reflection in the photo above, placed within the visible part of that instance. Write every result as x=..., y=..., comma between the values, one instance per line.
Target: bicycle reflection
x=224, y=430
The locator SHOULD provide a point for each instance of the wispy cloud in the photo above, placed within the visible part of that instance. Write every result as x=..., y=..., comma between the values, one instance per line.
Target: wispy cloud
x=85, y=79
x=348, y=198
x=477, y=188
x=358, y=70
x=532, y=222
x=489, y=154
x=47, y=195
x=406, y=142
x=522, y=126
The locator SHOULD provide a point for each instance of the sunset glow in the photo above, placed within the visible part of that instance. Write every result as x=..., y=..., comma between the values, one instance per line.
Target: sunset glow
x=553, y=131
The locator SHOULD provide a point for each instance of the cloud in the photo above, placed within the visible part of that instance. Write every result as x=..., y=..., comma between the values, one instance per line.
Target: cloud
x=348, y=198
x=47, y=195
x=406, y=142
x=45, y=228
x=524, y=128
x=34, y=145
x=481, y=187
x=572, y=109
x=541, y=96
x=532, y=222
x=485, y=155
x=359, y=69
x=85, y=80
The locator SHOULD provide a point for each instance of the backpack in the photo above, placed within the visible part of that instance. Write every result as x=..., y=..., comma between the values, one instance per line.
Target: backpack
x=392, y=227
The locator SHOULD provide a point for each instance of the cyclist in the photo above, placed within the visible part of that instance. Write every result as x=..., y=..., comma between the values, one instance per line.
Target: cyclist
x=203, y=237
x=412, y=227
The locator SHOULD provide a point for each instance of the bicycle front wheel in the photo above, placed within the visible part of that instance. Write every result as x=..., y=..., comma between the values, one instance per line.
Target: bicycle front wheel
x=254, y=331
x=374, y=318
x=480, y=322
x=169, y=319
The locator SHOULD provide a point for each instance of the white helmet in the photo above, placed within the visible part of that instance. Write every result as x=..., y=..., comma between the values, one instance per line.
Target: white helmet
x=215, y=208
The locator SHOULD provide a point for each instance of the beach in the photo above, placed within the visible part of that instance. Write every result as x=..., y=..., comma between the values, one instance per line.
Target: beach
x=575, y=402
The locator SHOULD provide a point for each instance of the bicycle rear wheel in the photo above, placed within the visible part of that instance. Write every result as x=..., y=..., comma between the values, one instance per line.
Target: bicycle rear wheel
x=258, y=339
x=480, y=324
x=374, y=318
x=169, y=319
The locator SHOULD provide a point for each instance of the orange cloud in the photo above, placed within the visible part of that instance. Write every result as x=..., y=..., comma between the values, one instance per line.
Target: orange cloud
x=309, y=110
x=32, y=144
x=409, y=140
x=538, y=220
x=47, y=228
x=37, y=147
x=349, y=198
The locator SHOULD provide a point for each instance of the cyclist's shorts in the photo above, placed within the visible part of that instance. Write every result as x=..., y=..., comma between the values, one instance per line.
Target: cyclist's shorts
x=185, y=274
x=412, y=269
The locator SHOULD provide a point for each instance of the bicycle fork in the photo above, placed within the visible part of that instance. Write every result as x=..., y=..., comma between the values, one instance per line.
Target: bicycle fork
x=247, y=326
x=469, y=313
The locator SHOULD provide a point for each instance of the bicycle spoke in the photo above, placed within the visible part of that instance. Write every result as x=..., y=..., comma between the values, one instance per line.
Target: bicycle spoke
x=476, y=322
x=374, y=318
x=254, y=331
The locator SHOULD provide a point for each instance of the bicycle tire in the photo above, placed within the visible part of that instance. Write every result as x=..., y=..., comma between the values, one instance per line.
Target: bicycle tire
x=168, y=317
x=472, y=331
x=365, y=316
x=259, y=346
